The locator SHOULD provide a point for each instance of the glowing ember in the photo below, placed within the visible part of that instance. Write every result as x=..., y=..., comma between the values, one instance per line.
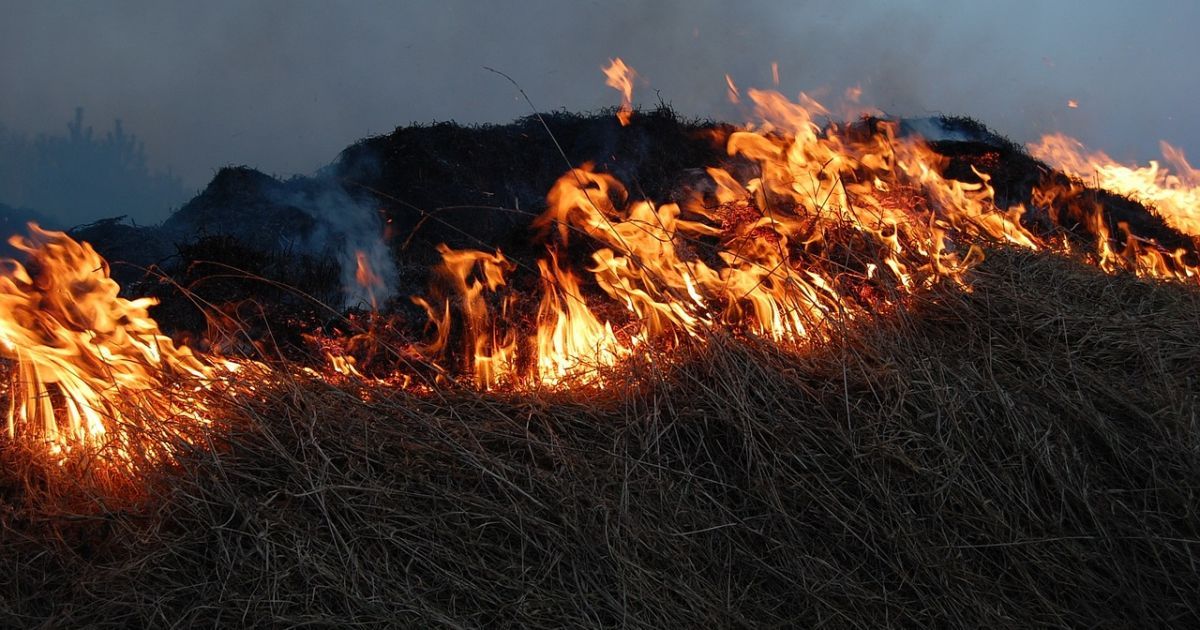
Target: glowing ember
x=620, y=77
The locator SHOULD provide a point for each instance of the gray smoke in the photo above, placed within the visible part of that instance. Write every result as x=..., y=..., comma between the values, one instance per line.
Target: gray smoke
x=283, y=86
x=347, y=229
x=932, y=130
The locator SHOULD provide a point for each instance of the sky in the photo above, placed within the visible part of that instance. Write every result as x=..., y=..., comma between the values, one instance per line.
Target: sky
x=284, y=86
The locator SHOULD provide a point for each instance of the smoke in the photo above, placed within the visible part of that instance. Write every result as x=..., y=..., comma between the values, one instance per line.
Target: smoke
x=284, y=86
x=353, y=233
x=934, y=130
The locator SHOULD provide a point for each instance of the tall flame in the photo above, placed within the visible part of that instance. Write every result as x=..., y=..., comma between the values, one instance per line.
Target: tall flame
x=832, y=227
x=91, y=369
x=470, y=277
x=768, y=267
x=571, y=343
x=366, y=277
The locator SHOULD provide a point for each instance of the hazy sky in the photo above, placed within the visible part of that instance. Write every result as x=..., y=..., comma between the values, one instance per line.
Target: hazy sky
x=283, y=86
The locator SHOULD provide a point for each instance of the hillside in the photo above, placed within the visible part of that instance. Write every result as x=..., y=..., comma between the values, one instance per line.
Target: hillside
x=1022, y=455
x=480, y=187
x=994, y=428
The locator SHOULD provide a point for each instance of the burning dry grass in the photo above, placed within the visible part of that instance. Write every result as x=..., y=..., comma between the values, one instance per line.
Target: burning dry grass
x=1026, y=453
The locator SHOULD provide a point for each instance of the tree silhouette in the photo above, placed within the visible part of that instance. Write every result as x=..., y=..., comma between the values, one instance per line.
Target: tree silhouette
x=79, y=178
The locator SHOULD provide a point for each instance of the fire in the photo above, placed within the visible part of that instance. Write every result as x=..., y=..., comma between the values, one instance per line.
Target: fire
x=343, y=364
x=1173, y=188
x=571, y=343
x=837, y=222
x=822, y=226
x=469, y=277
x=90, y=370
x=835, y=225
x=363, y=274
x=757, y=254
x=732, y=92
x=1072, y=203
x=620, y=77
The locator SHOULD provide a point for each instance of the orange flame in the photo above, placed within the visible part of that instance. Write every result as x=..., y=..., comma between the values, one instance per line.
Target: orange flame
x=470, y=276
x=571, y=343
x=620, y=77
x=363, y=273
x=92, y=370
x=1072, y=203
x=343, y=364
x=766, y=272
x=833, y=224
x=367, y=278
x=732, y=93
x=767, y=268
x=1173, y=192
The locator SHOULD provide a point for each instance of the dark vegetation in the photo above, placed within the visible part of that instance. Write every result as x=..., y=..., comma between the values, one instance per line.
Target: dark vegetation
x=1022, y=454
x=469, y=187
x=480, y=187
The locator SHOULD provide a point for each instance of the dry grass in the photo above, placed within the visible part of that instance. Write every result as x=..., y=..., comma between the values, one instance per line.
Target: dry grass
x=1026, y=454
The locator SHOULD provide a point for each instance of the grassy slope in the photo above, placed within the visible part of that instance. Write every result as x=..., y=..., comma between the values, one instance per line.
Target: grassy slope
x=1027, y=453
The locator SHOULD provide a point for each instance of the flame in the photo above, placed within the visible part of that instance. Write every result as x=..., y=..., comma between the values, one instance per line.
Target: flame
x=1172, y=189
x=768, y=270
x=836, y=223
x=367, y=278
x=1074, y=204
x=91, y=370
x=834, y=226
x=571, y=343
x=831, y=224
x=620, y=77
x=363, y=274
x=345, y=365
x=732, y=92
x=470, y=276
